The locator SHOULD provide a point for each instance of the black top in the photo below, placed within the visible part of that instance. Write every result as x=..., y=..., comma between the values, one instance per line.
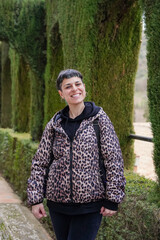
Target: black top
x=70, y=126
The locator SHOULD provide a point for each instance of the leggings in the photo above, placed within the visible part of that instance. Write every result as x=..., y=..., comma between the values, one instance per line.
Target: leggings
x=76, y=227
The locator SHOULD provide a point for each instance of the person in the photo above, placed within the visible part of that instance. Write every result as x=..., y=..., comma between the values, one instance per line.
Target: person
x=76, y=196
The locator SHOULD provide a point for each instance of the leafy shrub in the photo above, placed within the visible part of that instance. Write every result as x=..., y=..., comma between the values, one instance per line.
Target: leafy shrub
x=138, y=217
x=15, y=160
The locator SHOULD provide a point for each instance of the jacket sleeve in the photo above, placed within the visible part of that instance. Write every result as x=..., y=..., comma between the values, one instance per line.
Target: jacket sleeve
x=40, y=163
x=113, y=161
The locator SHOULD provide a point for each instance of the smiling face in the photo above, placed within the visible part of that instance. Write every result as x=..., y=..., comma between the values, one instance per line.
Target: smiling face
x=73, y=90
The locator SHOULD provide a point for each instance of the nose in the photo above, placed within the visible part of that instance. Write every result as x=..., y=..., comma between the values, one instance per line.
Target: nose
x=74, y=87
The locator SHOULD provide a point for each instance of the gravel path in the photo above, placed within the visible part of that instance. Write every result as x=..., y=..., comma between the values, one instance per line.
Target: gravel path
x=144, y=162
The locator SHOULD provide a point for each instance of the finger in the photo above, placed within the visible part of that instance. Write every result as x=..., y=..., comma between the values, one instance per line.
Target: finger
x=38, y=211
x=102, y=210
x=43, y=212
x=108, y=213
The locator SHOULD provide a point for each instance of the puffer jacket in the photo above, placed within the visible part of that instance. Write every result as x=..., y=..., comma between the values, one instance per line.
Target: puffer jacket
x=74, y=174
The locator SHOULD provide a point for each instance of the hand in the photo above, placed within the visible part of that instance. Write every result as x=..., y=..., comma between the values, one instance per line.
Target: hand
x=38, y=211
x=106, y=212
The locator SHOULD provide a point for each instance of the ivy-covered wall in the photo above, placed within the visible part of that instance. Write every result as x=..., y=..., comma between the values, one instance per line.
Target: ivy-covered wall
x=6, y=108
x=152, y=20
x=101, y=39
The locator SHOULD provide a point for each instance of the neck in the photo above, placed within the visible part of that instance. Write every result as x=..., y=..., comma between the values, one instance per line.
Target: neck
x=75, y=110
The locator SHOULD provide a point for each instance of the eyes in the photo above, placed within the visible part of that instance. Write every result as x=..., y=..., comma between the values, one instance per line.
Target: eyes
x=70, y=86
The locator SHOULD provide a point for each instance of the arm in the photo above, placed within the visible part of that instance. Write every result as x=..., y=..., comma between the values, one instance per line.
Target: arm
x=40, y=163
x=113, y=161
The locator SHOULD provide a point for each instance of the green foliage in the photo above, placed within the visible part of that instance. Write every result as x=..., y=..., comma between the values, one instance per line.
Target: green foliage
x=138, y=218
x=20, y=92
x=152, y=18
x=15, y=160
x=22, y=24
x=101, y=40
x=6, y=108
x=119, y=29
x=37, y=106
x=0, y=76
x=52, y=102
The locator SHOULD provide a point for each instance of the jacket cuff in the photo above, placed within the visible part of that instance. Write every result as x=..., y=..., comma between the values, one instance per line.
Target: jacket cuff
x=110, y=205
x=33, y=204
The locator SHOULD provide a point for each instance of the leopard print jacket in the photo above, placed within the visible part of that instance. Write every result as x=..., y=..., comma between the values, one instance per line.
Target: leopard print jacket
x=74, y=174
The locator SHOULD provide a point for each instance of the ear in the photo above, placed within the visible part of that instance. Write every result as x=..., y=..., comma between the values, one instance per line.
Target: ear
x=61, y=94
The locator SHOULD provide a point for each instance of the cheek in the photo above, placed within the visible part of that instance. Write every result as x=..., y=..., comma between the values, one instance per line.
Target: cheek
x=84, y=91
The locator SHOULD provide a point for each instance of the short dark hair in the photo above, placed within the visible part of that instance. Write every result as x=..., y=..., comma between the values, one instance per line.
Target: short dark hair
x=68, y=73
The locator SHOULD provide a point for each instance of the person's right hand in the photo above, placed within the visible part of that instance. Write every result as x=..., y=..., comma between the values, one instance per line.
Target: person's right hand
x=39, y=211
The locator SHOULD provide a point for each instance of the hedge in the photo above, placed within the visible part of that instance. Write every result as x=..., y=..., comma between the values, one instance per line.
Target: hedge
x=16, y=152
x=101, y=39
x=138, y=216
x=6, y=107
x=22, y=24
x=20, y=92
x=152, y=20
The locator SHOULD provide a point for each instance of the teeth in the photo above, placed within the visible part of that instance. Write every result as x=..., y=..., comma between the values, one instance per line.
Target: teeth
x=76, y=95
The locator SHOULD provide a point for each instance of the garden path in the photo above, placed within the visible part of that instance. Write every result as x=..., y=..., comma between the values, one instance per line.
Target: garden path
x=144, y=150
x=16, y=220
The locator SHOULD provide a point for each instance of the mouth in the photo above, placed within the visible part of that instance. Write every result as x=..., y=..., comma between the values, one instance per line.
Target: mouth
x=75, y=95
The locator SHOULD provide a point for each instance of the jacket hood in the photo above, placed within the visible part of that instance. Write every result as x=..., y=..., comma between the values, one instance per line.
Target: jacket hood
x=90, y=110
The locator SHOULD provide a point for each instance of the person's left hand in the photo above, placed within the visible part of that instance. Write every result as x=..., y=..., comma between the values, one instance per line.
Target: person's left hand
x=106, y=212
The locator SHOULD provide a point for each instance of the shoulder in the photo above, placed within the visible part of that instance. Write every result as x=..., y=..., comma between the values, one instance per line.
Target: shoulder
x=102, y=116
x=54, y=120
x=104, y=121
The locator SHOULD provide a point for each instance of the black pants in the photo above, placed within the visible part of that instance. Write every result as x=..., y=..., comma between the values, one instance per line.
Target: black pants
x=76, y=227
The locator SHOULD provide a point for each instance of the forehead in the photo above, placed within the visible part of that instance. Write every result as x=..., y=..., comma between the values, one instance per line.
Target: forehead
x=72, y=80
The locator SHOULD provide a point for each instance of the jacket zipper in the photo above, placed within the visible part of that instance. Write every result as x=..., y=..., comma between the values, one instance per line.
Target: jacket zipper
x=71, y=155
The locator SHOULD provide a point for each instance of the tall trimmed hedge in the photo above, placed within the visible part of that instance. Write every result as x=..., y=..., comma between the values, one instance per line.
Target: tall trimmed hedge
x=6, y=107
x=20, y=92
x=55, y=62
x=22, y=24
x=152, y=20
x=101, y=39
x=0, y=77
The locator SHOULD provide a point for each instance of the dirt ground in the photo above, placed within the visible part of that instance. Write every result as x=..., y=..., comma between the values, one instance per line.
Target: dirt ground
x=144, y=150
